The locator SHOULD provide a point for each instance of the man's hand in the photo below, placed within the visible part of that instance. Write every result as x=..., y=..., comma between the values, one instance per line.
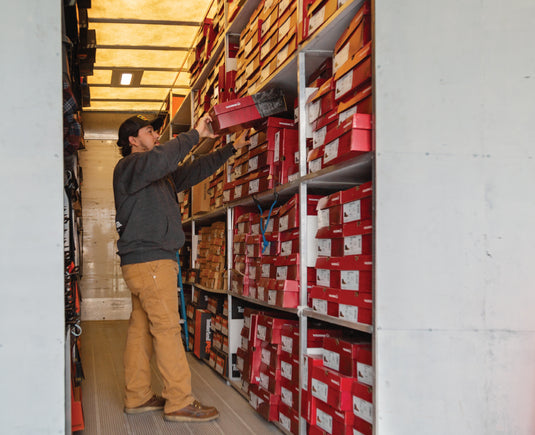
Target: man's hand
x=242, y=140
x=204, y=127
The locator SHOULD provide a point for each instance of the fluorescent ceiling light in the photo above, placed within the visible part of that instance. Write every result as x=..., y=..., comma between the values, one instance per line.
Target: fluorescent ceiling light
x=126, y=79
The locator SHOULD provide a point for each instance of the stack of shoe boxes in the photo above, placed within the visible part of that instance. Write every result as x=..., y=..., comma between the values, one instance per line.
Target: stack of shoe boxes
x=339, y=111
x=219, y=325
x=211, y=257
x=344, y=264
x=249, y=353
x=265, y=396
x=341, y=388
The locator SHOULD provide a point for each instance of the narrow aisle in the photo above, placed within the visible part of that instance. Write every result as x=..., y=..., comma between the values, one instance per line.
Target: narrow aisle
x=104, y=292
x=102, y=358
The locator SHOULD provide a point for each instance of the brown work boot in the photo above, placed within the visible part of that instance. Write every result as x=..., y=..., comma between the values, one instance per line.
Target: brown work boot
x=194, y=412
x=155, y=403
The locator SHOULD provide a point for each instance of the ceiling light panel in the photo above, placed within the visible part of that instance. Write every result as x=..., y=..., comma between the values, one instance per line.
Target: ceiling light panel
x=124, y=106
x=129, y=93
x=150, y=10
x=164, y=78
x=139, y=58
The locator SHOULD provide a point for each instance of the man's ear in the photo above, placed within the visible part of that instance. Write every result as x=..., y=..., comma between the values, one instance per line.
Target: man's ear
x=132, y=140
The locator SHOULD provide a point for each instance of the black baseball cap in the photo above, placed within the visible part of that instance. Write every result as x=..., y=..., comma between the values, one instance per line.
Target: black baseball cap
x=131, y=126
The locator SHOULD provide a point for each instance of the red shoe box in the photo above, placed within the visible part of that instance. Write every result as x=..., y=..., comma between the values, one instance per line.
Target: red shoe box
x=270, y=356
x=315, y=159
x=266, y=404
x=357, y=203
x=363, y=365
x=260, y=157
x=324, y=300
x=357, y=101
x=355, y=139
x=238, y=244
x=354, y=37
x=241, y=357
x=359, y=74
x=289, y=418
x=319, y=12
x=321, y=101
x=224, y=325
x=330, y=210
x=340, y=354
x=289, y=393
x=355, y=307
x=289, y=212
x=352, y=272
x=333, y=421
x=290, y=368
x=269, y=380
x=289, y=241
x=353, y=238
x=290, y=338
x=289, y=168
x=261, y=180
x=221, y=364
x=268, y=270
x=284, y=299
x=332, y=388
x=325, y=124
x=235, y=115
x=363, y=401
x=361, y=426
x=308, y=402
x=269, y=328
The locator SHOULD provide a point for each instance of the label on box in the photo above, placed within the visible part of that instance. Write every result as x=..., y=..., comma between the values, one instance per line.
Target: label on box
x=363, y=409
x=260, y=291
x=324, y=246
x=352, y=211
x=319, y=305
x=285, y=28
x=353, y=245
x=305, y=365
x=272, y=297
x=344, y=84
x=286, y=370
x=261, y=330
x=331, y=359
x=365, y=373
x=314, y=110
x=285, y=421
x=287, y=343
x=266, y=356
x=347, y=114
x=316, y=20
x=284, y=222
x=283, y=5
x=323, y=277
x=253, y=163
x=255, y=229
x=324, y=421
x=319, y=390
x=248, y=46
x=282, y=55
x=331, y=151
x=286, y=247
x=286, y=396
x=318, y=137
x=266, y=270
x=254, y=400
x=264, y=381
x=282, y=271
x=237, y=190
x=254, y=186
x=314, y=165
x=293, y=177
x=349, y=279
x=341, y=3
x=252, y=270
x=264, y=51
x=341, y=57
x=250, y=250
x=253, y=141
x=348, y=312
x=250, y=69
x=323, y=218
x=276, y=155
x=239, y=363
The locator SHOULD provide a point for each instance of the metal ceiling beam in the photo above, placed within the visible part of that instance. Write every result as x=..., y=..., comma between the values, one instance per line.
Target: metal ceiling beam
x=135, y=68
x=134, y=21
x=140, y=47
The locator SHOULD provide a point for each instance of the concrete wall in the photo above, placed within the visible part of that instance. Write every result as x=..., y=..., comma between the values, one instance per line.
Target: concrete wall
x=31, y=220
x=455, y=330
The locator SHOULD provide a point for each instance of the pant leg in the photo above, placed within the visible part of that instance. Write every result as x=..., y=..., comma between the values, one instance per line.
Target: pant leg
x=137, y=357
x=159, y=299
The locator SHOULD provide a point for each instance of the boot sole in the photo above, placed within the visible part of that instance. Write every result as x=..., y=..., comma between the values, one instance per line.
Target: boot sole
x=184, y=418
x=133, y=411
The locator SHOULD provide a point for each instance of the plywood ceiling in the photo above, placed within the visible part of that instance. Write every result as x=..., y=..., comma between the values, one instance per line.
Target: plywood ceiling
x=153, y=36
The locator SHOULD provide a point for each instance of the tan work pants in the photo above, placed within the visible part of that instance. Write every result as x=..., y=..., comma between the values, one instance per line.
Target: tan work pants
x=155, y=322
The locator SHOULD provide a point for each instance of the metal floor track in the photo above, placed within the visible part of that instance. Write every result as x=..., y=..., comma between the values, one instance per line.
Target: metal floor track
x=102, y=346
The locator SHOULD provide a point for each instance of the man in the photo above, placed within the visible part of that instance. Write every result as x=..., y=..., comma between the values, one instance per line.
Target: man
x=145, y=183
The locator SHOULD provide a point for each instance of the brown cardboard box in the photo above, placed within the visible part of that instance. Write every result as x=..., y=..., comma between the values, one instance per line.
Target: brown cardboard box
x=200, y=199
